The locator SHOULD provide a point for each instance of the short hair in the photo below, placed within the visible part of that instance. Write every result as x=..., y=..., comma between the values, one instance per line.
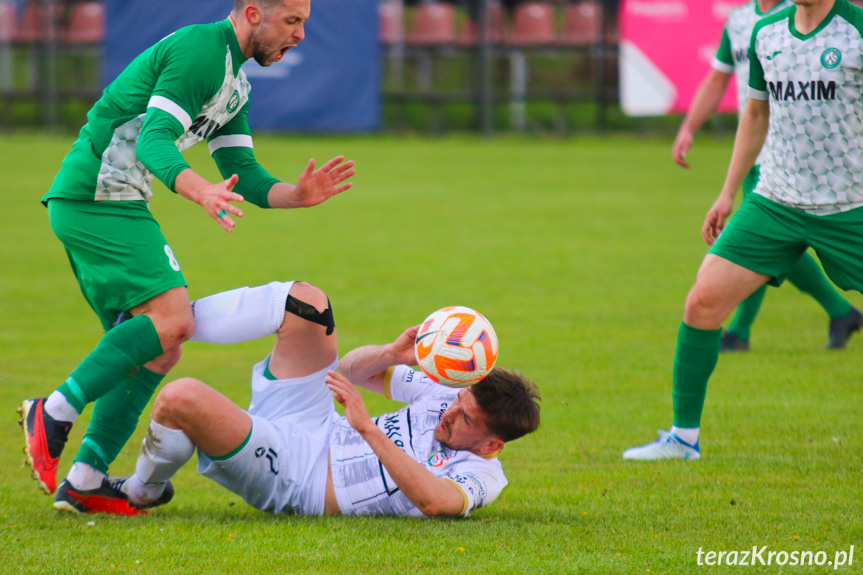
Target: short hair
x=264, y=5
x=509, y=401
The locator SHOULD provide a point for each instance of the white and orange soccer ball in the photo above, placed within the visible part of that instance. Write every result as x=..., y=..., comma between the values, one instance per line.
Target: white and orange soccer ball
x=456, y=346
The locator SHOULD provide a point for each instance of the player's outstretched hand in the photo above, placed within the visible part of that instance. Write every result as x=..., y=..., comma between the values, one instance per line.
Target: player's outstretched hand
x=714, y=222
x=317, y=186
x=214, y=198
x=681, y=147
x=403, y=347
x=349, y=397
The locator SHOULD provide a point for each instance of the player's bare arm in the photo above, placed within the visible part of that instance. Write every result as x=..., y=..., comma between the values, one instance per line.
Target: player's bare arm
x=751, y=133
x=313, y=186
x=214, y=198
x=704, y=105
x=432, y=495
x=365, y=366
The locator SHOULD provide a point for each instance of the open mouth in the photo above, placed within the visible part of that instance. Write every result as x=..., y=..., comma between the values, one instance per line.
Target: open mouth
x=282, y=53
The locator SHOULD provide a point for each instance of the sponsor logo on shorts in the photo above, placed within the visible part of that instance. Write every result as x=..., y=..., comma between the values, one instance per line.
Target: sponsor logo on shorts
x=271, y=455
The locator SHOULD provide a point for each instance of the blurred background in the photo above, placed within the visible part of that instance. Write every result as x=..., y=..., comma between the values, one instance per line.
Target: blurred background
x=401, y=66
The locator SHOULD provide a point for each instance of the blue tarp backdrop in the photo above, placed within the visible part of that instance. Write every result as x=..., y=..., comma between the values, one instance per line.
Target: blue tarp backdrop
x=329, y=83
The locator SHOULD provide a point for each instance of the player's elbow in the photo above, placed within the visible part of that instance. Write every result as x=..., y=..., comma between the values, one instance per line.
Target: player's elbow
x=432, y=510
x=437, y=508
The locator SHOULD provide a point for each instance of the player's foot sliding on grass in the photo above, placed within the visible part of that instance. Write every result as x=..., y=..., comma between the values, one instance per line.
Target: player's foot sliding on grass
x=187, y=88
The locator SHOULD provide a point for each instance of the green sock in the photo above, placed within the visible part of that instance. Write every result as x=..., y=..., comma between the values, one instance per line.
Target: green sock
x=115, y=417
x=121, y=352
x=747, y=311
x=697, y=354
x=808, y=277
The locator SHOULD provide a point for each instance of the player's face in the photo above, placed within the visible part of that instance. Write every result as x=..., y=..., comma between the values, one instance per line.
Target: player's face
x=462, y=426
x=282, y=28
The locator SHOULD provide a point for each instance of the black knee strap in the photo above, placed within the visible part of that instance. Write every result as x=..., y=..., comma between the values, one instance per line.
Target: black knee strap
x=309, y=313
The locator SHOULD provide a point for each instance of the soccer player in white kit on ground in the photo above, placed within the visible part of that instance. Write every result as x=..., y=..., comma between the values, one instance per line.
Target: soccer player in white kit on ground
x=292, y=453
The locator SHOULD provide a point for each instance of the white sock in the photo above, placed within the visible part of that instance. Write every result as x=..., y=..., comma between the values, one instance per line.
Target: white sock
x=689, y=435
x=58, y=407
x=242, y=314
x=84, y=477
x=163, y=452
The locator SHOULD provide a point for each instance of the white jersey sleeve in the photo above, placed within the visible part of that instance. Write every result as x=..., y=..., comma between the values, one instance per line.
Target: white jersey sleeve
x=480, y=481
x=401, y=383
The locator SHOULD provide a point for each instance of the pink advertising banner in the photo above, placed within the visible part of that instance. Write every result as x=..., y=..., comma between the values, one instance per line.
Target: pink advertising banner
x=665, y=52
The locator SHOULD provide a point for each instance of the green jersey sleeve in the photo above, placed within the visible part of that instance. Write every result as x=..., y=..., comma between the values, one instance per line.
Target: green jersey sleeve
x=156, y=147
x=190, y=73
x=724, y=60
x=757, y=84
x=231, y=148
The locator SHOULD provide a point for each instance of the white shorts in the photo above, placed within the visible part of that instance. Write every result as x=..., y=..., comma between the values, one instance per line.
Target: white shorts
x=283, y=466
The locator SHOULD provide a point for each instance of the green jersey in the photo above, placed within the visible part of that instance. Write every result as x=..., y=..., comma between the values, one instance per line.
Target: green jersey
x=814, y=84
x=185, y=89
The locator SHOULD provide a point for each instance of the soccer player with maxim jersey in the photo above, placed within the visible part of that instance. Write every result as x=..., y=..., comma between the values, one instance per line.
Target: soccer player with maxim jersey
x=806, y=100
x=807, y=276
x=185, y=89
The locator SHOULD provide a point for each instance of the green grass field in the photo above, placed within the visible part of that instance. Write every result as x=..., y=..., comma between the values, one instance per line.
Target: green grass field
x=580, y=252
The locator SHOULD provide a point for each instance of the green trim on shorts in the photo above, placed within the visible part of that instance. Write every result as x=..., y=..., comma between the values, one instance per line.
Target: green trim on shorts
x=234, y=451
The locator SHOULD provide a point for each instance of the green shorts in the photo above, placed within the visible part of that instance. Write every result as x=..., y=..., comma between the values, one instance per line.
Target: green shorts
x=117, y=252
x=767, y=237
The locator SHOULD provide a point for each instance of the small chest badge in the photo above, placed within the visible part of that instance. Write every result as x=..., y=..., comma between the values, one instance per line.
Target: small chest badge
x=438, y=458
x=234, y=102
x=830, y=58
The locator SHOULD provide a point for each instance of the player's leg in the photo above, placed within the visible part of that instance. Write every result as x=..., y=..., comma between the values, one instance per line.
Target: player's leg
x=114, y=420
x=121, y=260
x=808, y=277
x=306, y=344
x=737, y=338
x=299, y=313
x=838, y=241
x=762, y=242
x=719, y=287
x=187, y=413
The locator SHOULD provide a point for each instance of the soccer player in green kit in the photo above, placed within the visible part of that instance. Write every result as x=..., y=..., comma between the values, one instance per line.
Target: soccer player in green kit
x=185, y=89
x=732, y=58
x=806, y=100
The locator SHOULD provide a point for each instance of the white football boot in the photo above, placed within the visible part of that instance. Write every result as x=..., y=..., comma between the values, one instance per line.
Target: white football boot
x=668, y=446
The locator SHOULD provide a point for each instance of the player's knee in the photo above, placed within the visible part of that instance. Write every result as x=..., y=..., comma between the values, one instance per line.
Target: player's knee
x=311, y=295
x=701, y=308
x=178, y=329
x=177, y=402
x=166, y=362
x=307, y=306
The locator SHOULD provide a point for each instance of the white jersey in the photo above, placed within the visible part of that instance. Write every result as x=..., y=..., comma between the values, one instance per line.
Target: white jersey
x=362, y=484
x=814, y=84
x=733, y=53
